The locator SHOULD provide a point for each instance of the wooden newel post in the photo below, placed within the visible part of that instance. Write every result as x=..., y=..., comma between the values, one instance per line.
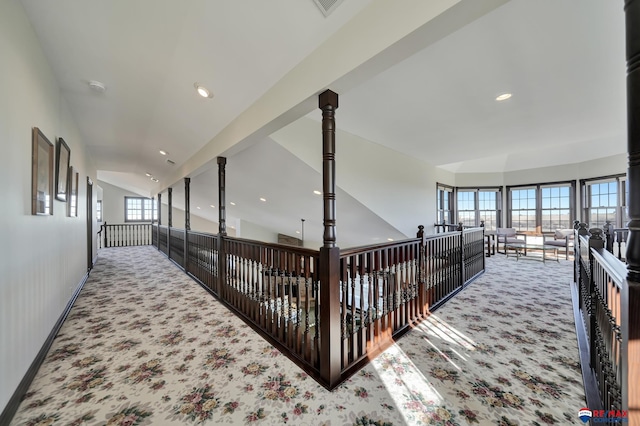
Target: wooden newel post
x=222, y=209
x=608, y=234
x=631, y=388
x=187, y=222
x=422, y=287
x=222, y=227
x=582, y=229
x=595, y=242
x=460, y=229
x=330, y=338
x=169, y=219
x=159, y=219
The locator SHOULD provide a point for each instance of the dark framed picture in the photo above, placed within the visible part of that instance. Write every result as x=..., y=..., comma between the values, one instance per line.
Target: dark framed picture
x=73, y=193
x=41, y=174
x=63, y=158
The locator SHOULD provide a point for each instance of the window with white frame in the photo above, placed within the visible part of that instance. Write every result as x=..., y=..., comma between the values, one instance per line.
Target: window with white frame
x=444, y=202
x=555, y=208
x=605, y=199
x=99, y=211
x=475, y=205
x=523, y=209
x=139, y=209
x=541, y=207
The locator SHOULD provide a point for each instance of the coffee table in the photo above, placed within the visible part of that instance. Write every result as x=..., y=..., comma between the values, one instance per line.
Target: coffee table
x=520, y=250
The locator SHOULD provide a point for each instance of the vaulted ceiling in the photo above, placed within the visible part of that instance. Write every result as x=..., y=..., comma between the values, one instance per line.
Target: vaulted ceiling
x=428, y=93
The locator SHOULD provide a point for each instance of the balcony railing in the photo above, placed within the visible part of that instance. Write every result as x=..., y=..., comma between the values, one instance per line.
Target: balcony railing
x=607, y=308
x=374, y=294
x=122, y=235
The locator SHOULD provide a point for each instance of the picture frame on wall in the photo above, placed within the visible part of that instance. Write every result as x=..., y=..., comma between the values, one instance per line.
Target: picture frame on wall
x=41, y=174
x=73, y=193
x=63, y=159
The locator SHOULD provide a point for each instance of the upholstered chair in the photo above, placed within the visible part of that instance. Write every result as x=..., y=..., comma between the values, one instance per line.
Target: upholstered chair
x=561, y=238
x=506, y=236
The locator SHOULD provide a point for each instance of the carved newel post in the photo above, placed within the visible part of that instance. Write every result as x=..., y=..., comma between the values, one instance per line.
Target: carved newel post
x=222, y=229
x=330, y=327
x=159, y=219
x=187, y=222
x=169, y=219
x=422, y=288
x=631, y=395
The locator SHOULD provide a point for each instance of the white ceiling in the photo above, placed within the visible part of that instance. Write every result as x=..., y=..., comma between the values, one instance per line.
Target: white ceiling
x=563, y=60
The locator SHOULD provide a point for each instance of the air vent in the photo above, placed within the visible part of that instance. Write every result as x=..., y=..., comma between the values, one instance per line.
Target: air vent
x=170, y=162
x=327, y=6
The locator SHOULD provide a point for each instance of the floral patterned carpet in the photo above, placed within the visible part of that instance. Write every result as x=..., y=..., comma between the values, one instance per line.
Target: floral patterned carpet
x=146, y=345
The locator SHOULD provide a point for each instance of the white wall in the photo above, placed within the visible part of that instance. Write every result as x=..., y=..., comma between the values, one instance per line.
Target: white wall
x=398, y=188
x=113, y=210
x=43, y=259
x=197, y=223
x=252, y=231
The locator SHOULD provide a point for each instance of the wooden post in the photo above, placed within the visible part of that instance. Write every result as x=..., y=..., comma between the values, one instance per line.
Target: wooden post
x=222, y=210
x=631, y=389
x=187, y=202
x=222, y=228
x=330, y=354
x=187, y=222
x=595, y=242
x=461, y=230
x=422, y=287
x=159, y=219
x=169, y=220
x=608, y=233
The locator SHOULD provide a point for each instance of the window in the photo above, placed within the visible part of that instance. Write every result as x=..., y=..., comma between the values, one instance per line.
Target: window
x=139, y=209
x=99, y=211
x=444, y=213
x=479, y=204
x=467, y=207
x=605, y=199
x=556, y=208
x=541, y=207
x=490, y=207
x=523, y=209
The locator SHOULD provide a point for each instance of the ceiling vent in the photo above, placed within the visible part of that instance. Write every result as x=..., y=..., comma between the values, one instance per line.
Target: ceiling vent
x=327, y=6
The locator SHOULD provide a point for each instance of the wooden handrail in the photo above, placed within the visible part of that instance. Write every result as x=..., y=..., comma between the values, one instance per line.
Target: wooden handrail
x=276, y=289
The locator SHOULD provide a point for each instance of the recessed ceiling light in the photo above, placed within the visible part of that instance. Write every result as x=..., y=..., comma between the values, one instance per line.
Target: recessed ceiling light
x=389, y=239
x=148, y=174
x=317, y=192
x=503, y=97
x=263, y=199
x=212, y=206
x=232, y=203
x=203, y=91
x=154, y=179
x=163, y=152
x=96, y=86
x=297, y=232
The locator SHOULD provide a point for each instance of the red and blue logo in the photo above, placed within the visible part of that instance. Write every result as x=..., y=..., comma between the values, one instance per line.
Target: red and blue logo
x=585, y=414
x=603, y=416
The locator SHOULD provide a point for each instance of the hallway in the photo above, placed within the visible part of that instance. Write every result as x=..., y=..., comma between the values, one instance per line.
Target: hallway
x=145, y=344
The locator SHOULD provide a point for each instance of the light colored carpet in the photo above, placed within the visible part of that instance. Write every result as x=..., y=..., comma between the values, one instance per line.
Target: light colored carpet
x=146, y=345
